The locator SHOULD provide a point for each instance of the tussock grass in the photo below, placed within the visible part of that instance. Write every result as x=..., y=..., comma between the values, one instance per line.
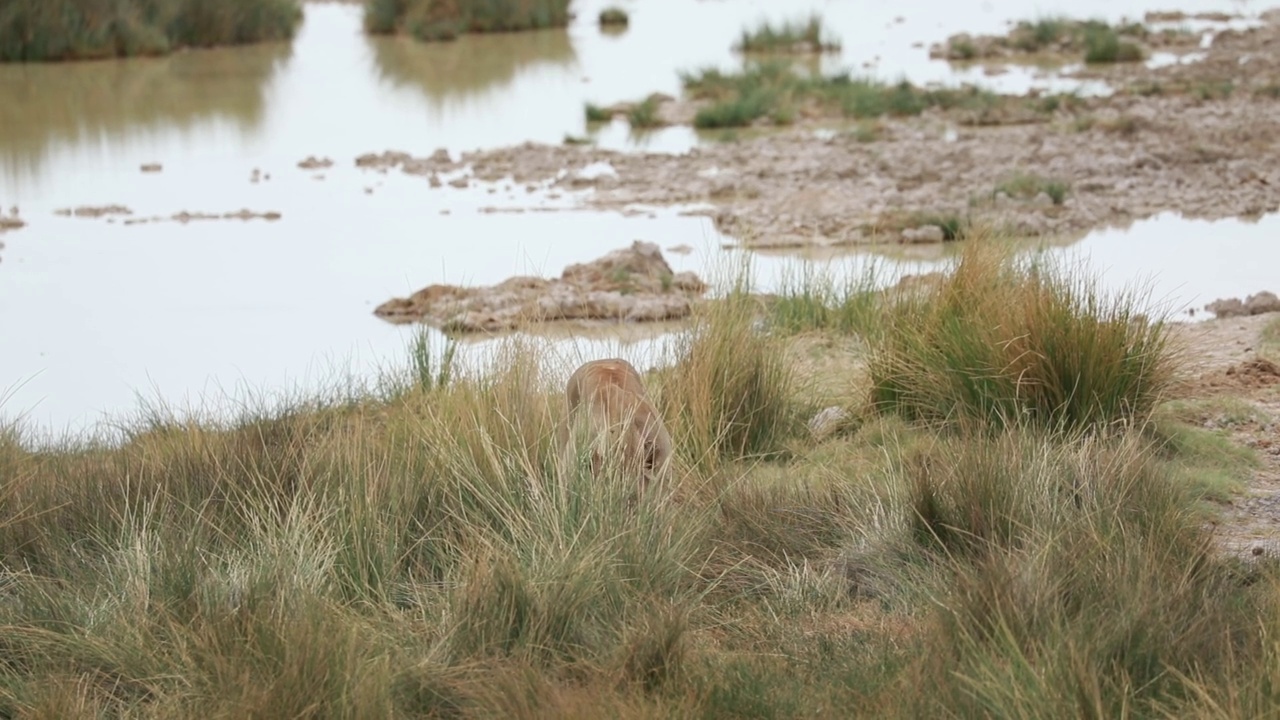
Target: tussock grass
x=51, y=30
x=1090, y=588
x=425, y=552
x=433, y=20
x=1005, y=342
x=807, y=35
x=729, y=395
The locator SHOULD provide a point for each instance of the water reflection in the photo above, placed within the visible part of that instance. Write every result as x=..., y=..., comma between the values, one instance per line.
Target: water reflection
x=472, y=65
x=44, y=105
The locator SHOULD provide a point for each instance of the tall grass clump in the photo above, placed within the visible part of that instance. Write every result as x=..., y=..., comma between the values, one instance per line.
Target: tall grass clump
x=430, y=20
x=51, y=30
x=739, y=99
x=1003, y=341
x=792, y=36
x=813, y=299
x=728, y=397
x=1102, y=44
x=1079, y=583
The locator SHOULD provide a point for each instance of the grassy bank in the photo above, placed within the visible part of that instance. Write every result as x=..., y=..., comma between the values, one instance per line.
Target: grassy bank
x=35, y=30
x=1097, y=40
x=431, y=20
x=420, y=553
x=776, y=91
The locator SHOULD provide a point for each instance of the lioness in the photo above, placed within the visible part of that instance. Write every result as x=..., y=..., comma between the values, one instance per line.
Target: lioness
x=607, y=400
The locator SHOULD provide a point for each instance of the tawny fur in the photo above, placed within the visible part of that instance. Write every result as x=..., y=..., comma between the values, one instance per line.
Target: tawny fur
x=607, y=399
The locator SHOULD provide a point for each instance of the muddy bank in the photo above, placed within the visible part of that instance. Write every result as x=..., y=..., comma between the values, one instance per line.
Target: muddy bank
x=633, y=284
x=1076, y=39
x=797, y=188
x=1078, y=165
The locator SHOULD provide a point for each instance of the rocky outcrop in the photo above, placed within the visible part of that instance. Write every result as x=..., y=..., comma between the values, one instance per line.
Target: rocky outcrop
x=1261, y=303
x=633, y=284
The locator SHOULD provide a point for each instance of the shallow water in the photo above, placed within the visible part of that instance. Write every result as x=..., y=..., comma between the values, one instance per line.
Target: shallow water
x=93, y=313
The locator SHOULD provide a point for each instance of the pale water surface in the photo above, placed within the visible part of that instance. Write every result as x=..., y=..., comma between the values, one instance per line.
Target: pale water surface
x=93, y=313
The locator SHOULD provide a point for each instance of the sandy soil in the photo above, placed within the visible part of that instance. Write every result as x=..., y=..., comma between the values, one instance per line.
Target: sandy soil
x=1170, y=139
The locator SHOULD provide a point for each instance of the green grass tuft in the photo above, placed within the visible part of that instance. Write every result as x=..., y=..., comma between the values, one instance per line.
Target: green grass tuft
x=1103, y=44
x=644, y=114
x=811, y=300
x=597, y=114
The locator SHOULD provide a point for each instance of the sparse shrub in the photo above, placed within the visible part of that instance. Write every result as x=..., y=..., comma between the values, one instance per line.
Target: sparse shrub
x=1103, y=45
x=1035, y=36
x=614, y=16
x=866, y=132
x=805, y=36
x=965, y=50
x=1120, y=124
x=644, y=114
x=1213, y=90
x=431, y=20
x=1270, y=90
x=1006, y=342
x=1028, y=185
x=52, y=30
x=597, y=114
x=739, y=112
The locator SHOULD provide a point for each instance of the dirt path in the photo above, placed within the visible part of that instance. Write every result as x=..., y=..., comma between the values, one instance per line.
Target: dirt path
x=1226, y=364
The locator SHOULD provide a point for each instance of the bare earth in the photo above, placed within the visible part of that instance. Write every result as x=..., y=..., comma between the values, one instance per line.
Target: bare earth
x=1225, y=363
